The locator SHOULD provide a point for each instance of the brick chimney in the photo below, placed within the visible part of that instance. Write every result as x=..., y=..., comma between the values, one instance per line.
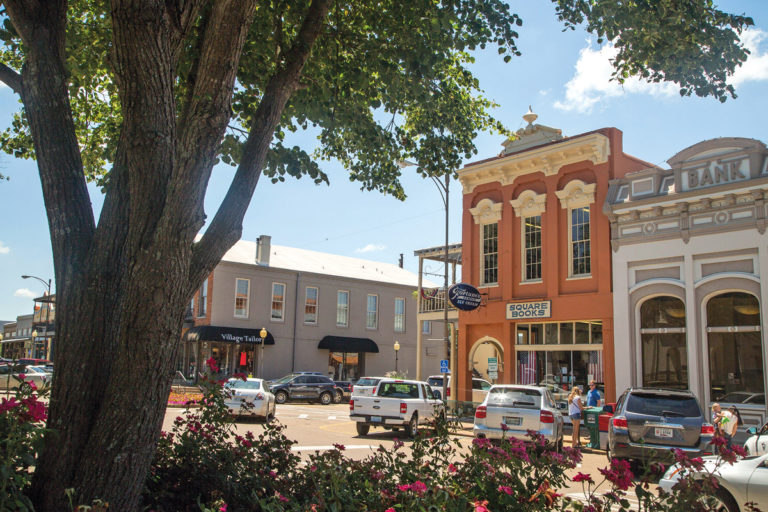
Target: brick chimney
x=263, y=244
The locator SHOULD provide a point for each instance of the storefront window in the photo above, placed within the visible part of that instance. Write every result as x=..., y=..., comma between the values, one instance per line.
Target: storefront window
x=735, y=349
x=560, y=370
x=663, y=339
x=344, y=365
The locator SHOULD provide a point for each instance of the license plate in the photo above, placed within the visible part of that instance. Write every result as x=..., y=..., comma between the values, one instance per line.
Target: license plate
x=375, y=419
x=664, y=432
x=513, y=420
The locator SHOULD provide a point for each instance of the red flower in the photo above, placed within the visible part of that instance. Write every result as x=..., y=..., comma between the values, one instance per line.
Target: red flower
x=505, y=489
x=583, y=477
x=7, y=405
x=618, y=474
x=451, y=468
x=480, y=506
x=211, y=363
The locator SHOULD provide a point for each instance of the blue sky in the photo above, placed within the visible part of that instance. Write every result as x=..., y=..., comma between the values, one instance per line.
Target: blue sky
x=563, y=75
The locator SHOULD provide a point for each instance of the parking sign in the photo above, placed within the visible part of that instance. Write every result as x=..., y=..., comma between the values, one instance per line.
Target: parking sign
x=444, y=366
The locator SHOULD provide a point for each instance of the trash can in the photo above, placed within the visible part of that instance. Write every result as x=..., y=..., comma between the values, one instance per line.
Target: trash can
x=592, y=422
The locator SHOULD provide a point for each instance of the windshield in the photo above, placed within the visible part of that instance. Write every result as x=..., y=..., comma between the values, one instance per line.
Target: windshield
x=398, y=390
x=515, y=397
x=656, y=405
x=283, y=380
x=240, y=384
x=367, y=382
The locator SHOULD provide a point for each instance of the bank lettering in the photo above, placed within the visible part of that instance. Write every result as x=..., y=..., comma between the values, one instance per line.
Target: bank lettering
x=716, y=173
x=533, y=309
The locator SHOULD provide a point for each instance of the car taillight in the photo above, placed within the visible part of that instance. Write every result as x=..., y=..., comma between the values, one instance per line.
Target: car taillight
x=620, y=423
x=448, y=392
x=351, y=405
x=403, y=407
x=707, y=430
x=546, y=417
x=481, y=412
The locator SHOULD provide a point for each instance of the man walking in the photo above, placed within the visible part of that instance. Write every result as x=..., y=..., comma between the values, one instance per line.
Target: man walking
x=593, y=396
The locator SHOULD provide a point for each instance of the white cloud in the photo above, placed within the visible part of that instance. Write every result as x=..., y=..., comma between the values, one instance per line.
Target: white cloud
x=371, y=248
x=25, y=293
x=756, y=66
x=592, y=82
x=4, y=249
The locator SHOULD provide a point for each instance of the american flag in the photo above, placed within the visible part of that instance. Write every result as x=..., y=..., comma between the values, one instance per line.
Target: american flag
x=595, y=365
x=526, y=368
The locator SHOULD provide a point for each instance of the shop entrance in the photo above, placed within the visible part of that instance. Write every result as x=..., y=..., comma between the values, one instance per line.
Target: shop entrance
x=345, y=365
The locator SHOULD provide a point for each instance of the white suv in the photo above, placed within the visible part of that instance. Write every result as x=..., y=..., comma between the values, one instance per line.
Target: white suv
x=480, y=387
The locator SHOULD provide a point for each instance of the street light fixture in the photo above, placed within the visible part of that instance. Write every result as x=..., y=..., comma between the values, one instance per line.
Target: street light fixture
x=397, y=350
x=47, y=314
x=263, y=333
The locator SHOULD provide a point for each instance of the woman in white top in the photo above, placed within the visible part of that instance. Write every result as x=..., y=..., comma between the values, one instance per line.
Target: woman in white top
x=574, y=411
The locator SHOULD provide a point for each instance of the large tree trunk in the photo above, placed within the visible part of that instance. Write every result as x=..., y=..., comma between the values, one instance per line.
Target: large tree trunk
x=123, y=286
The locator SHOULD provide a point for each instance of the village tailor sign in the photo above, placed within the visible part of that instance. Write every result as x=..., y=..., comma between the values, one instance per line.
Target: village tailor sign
x=529, y=309
x=464, y=296
x=715, y=172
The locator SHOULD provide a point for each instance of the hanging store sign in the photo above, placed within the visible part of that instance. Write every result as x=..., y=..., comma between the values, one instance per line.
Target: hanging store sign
x=464, y=296
x=529, y=309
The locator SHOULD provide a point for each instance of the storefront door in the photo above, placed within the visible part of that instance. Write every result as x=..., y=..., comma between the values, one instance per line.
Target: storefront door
x=345, y=365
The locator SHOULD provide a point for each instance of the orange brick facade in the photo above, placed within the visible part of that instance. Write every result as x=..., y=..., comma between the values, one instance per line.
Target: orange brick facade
x=544, y=177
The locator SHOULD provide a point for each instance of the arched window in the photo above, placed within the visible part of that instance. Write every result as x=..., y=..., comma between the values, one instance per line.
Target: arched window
x=735, y=348
x=662, y=335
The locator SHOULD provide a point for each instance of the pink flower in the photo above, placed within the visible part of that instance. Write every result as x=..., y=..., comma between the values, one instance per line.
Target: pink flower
x=282, y=498
x=419, y=487
x=583, y=477
x=618, y=474
x=223, y=508
x=339, y=447
x=505, y=489
x=7, y=405
x=211, y=363
x=451, y=468
x=23, y=376
x=390, y=509
x=480, y=506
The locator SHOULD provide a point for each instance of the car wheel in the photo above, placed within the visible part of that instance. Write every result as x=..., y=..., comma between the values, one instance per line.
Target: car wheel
x=721, y=501
x=338, y=397
x=363, y=429
x=326, y=398
x=413, y=426
x=281, y=397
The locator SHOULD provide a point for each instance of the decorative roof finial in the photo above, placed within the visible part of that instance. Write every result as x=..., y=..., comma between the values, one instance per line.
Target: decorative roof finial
x=530, y=116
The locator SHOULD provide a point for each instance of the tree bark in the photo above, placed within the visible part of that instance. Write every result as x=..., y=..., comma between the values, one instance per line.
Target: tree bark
x=123, y=285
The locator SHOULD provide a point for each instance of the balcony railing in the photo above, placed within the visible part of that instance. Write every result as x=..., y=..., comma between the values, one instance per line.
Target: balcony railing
x=435, y=304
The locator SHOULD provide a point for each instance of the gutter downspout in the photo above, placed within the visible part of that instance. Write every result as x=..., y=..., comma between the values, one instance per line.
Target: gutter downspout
x=295, y=320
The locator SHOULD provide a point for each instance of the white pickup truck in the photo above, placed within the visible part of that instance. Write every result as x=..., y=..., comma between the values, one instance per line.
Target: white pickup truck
x=395, y=404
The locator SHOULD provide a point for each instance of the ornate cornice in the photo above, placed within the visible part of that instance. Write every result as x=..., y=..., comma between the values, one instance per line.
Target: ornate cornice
x=529, y=204
x=594, y=147
x=576, y=194
x=486, y=212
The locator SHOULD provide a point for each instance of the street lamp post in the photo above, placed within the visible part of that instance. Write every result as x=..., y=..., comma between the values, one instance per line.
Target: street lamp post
x=263, y=333
x=397, y=350
x=47, y=312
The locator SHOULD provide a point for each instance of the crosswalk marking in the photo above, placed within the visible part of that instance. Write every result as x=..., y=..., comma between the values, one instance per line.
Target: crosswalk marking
x=303, y=416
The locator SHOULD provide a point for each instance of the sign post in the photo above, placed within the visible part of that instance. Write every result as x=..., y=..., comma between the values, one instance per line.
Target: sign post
x=493, y=368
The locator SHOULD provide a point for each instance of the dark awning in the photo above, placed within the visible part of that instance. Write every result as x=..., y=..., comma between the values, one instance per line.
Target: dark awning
x=215, y=333
x=343, y=344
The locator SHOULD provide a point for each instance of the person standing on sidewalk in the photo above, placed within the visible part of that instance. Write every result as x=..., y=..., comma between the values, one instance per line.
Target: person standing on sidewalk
x=574, y=411
x=593, y=395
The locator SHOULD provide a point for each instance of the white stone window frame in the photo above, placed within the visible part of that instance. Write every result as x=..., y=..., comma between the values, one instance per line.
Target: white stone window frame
x=375, y=312
x=399, y=323
x=486, y=212
x=576, y=195
x=342, y=307
x=307, y=304
x=529, y=204
x=202, y=302
x=247, y=297
x=281, y=318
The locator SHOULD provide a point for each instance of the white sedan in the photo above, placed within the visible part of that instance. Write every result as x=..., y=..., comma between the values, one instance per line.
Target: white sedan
x=10, y=376
x=744, y=481
x=251, y=397
x=757, y=444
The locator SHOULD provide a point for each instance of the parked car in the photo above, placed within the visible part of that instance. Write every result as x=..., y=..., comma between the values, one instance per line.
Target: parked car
x=757, y=443
x=743, y=481
x=649, y=423
x=344, y=388
x=512, y=410
x=9, y=376
x=480, y=387
x=251, y=397
x=742, y=397
x=365, y=386
x=395, y=404
x=295, y=386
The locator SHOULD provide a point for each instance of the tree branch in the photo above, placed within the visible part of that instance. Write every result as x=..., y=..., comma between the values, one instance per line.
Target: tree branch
x=11, y=78
x=226, y=226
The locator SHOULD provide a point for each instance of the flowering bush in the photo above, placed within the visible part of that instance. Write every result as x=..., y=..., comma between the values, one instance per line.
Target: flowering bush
x=22, y=426
x=177, y=398
x=203, y=465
